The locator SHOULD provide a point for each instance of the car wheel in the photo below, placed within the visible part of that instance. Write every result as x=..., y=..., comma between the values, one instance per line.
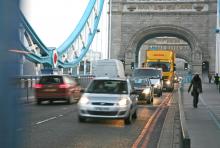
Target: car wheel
x=148, y=101
x=81, y=119
x=38, y=102
x=70, y=100
x=134, y=116
x=152, y=100
x=128, y=119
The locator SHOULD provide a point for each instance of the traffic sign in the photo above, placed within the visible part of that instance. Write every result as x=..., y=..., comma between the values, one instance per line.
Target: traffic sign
x=55, y=58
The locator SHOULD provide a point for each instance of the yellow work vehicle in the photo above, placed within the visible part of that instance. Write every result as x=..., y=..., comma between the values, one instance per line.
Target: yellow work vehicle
x=164, y=59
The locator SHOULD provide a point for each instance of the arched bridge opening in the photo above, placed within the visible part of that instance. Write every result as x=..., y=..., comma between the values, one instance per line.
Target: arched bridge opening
x=192, y=53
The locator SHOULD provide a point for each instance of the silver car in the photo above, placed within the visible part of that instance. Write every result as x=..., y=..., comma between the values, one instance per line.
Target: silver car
x=109, y=98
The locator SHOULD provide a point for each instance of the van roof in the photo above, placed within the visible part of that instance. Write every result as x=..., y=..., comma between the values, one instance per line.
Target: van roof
x=149, y=68
x=108, y=78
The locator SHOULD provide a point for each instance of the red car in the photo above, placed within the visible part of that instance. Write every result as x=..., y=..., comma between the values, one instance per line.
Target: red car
x=57, y=87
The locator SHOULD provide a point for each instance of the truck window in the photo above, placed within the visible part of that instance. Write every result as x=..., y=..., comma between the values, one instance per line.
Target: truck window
x=164, y=65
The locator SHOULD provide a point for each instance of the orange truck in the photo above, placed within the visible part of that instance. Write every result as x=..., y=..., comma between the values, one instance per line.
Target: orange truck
x=164, y=59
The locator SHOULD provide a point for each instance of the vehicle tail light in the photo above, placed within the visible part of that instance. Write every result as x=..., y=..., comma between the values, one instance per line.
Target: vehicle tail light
x=64, y=85
x=38, y=85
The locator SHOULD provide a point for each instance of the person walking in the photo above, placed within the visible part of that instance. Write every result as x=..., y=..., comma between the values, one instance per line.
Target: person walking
x=210, y=78
x=216, y=79
x=196, y=83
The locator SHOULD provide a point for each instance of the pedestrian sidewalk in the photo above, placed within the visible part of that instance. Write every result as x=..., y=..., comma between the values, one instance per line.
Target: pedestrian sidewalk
x=203, y=123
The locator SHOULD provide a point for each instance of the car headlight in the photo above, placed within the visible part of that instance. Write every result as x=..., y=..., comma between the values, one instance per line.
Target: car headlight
x=157, y=86
x=123, y=102
x=83, y=100
x=146, y=91
x=168, y=82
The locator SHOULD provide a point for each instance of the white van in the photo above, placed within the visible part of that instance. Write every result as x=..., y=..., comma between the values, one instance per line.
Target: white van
x=112, y=68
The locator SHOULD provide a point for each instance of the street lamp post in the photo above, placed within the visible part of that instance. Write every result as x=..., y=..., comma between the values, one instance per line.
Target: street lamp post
x=217, y=60
x=109, y=28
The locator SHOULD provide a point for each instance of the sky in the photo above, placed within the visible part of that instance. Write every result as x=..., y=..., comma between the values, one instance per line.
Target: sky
x=54, y=20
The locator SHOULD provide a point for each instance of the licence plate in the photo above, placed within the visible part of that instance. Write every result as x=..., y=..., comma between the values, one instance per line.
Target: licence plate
x=50, y=90
x=101, y=109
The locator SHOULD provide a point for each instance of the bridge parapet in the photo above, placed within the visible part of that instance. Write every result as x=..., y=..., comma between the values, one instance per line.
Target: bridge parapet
x=165, y=6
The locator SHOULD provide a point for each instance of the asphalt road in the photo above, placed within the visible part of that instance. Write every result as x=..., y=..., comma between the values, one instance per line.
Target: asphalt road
x=56, y=126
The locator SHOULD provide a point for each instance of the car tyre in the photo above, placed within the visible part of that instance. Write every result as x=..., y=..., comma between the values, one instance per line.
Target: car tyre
x=148, y=101
x=134, y=116
x=81, y=119
x=70, y=100
x=152, y=100
x=128, y=119
x=38, y=102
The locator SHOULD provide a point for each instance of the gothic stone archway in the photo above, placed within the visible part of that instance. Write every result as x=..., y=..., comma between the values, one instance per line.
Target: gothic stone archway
x=194, y=57
x=129, y=18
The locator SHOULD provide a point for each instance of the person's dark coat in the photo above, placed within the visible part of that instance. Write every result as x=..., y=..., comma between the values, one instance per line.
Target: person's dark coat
x=216, y=79
x=196, y=83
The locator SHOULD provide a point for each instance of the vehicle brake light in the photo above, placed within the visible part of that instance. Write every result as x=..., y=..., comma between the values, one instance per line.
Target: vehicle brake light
x=38, y=85
x=64, y=85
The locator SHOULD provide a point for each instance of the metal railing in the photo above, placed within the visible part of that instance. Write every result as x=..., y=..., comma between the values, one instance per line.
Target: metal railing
x=185, y=141
x=84, y=80
x=28, y=81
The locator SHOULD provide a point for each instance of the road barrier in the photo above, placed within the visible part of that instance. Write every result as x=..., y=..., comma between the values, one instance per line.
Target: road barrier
x=26, y=84
x=184, y=139
x=28, y=81
x=84, y=80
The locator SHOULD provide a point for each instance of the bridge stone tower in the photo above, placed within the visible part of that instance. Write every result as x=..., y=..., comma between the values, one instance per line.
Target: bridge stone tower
x=135, y=21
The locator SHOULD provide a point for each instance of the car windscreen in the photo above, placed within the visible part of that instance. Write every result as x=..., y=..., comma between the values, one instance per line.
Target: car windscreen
x=140, y=83
x=51, y=80
x=155, y=81
x=108, y=87
x=164, y=65
x=147, y=73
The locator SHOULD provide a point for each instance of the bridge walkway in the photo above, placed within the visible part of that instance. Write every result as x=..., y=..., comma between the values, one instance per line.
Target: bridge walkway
x=203, y=123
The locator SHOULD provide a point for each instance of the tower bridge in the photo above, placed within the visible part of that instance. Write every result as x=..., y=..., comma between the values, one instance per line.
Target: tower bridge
x=133, y=22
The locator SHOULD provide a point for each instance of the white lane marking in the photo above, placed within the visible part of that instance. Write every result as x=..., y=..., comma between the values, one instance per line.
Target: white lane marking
x=45, y=120
x=212, y=114
x=60, y=115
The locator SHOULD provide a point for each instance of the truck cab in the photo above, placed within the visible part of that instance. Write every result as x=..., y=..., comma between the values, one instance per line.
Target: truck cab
x=164, y=59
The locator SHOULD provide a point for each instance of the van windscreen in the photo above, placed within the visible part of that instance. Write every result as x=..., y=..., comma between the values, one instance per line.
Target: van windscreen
x=147, y=73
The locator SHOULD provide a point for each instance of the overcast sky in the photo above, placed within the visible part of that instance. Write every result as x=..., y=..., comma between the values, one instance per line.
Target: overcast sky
x=54, y=20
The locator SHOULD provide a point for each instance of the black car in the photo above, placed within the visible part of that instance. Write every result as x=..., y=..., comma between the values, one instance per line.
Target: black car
x=144, y=89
